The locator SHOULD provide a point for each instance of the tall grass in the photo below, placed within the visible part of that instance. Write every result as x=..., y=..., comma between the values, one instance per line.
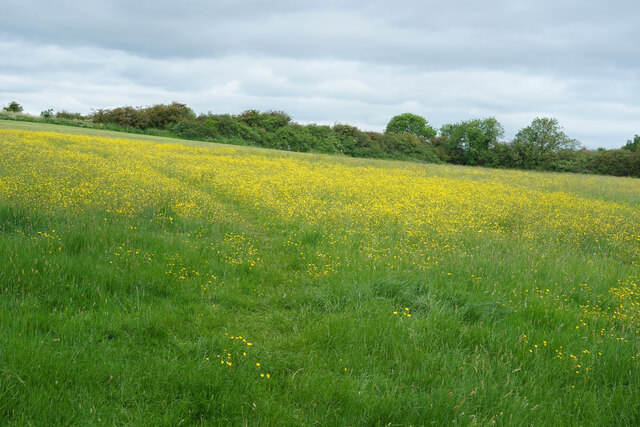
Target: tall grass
x=147, y=282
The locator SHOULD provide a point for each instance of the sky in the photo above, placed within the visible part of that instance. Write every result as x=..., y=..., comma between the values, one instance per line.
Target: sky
x=330, y=61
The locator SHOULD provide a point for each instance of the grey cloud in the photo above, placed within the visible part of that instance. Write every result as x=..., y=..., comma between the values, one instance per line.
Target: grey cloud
x=329, y=61
x=542, y=35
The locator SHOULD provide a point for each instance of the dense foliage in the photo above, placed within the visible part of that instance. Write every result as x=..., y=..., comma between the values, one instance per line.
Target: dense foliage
x=470, y=142
x=543, y=145
x=158, y=116
x=411, y=123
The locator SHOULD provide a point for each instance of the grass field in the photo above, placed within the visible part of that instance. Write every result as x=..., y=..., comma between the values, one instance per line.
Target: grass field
x=154, y=282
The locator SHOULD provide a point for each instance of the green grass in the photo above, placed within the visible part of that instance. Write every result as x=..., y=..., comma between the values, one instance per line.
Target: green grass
x=112, y=319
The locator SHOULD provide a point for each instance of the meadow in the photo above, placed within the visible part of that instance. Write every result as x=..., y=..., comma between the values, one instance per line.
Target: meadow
x=163, y=282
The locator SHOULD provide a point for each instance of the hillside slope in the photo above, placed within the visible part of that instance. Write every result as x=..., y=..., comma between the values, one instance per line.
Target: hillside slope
x=148, y=281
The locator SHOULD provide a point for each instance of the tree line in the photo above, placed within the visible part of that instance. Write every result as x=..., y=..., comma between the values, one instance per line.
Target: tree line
x=543, y=145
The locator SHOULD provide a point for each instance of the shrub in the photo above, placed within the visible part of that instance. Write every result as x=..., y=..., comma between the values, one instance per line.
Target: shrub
x=69, y=116
x=269, y=121
x=348, y=137
x=122, y=116
x=408, y=146
x=158, y=116
x=325, y=139
x=292, y=138
x=194, y=130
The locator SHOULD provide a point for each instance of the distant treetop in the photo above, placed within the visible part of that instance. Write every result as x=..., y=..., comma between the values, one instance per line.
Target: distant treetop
x=412, y=124
x=632, y=145
x=14, y=107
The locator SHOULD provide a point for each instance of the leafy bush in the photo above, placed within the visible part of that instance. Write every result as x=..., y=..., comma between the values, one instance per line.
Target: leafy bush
x=348, y=137
x=228, y=126
x=121, y=116
x=325, y=139
x=292, y=138
x=369, y=144
x=158, y=116
x=194, y=130
x=408, y=146
x=68, y=116
x=269, y=121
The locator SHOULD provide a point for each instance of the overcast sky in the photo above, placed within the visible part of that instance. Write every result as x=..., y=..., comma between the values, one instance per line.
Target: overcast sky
x=354, y=62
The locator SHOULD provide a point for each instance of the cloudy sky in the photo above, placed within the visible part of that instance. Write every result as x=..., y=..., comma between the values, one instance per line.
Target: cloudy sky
x=335, y=61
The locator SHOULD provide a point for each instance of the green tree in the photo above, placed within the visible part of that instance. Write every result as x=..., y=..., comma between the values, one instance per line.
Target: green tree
x=469, y=142
x=633, y=145
x=13, y=107
x=538, y=142
x=412, y=124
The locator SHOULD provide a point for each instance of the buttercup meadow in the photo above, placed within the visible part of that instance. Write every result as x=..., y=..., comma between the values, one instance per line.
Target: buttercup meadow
x=162, y=282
